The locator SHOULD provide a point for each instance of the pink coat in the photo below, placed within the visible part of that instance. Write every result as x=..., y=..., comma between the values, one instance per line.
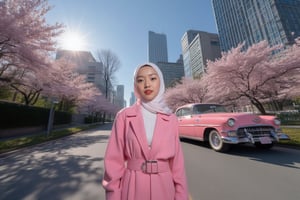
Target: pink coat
x=128, y=141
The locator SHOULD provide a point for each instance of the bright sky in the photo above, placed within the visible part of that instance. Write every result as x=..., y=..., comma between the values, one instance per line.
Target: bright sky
x=122, y=26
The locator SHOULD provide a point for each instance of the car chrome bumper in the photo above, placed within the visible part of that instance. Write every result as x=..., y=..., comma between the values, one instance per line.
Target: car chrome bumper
x=283, y=136
x=251, y=139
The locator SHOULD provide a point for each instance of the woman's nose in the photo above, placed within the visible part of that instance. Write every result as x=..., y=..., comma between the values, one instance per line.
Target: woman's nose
x=146, y=84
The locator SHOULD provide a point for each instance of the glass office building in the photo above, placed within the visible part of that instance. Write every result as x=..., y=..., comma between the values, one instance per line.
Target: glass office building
x=157, y=47
x=251, y=21
x=198, y=47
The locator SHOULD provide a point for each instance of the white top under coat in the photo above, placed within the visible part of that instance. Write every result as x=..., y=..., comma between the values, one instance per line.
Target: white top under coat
x=149, y=123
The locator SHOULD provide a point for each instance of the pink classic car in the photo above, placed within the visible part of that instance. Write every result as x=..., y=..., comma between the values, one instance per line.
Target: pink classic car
x=211, y=123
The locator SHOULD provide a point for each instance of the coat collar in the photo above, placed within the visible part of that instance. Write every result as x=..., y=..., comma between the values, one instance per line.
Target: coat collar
x=134, y=115
x=135, y=110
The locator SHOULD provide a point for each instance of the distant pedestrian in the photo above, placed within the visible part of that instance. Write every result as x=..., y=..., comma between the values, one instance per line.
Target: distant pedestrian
x=144, y=159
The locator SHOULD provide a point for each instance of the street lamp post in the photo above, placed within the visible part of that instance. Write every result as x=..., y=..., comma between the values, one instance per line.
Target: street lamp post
x=51, y=117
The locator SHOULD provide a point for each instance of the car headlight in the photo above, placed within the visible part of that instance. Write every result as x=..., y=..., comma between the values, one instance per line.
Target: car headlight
x=277, y=121
x=231, y=122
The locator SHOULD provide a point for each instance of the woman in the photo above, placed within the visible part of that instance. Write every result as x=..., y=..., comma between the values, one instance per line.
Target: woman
x=144, y=159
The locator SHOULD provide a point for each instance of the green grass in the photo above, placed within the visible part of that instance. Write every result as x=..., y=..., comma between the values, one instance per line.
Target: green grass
x=294, y=134
x=13, y=144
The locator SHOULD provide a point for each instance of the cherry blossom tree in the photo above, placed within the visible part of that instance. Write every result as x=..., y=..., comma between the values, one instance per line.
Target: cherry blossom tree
x=66, y=85
x=98, y=106
x=26, y=45
x=289, y=59
x=256, y=75
x=51, y=82
x=29, y=85
x=288, y=85
x=26, y=40
x=259, y=76
x=187, y=91
x=72, y=90
x=60, y=76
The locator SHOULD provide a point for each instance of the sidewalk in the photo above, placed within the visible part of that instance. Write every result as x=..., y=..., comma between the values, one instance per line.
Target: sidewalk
x=36, y=131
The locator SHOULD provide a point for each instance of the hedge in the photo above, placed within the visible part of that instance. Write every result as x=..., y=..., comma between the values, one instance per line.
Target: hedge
x=290, y=118
x=14, y=115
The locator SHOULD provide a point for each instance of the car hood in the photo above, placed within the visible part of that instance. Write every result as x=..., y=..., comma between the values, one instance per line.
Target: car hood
x=229, y=114
x=241, y=118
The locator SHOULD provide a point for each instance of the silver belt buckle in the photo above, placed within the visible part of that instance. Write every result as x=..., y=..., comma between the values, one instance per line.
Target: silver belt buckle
x=150, y=167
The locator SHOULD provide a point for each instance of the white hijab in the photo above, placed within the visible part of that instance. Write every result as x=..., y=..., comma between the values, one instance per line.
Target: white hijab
x=157, y=105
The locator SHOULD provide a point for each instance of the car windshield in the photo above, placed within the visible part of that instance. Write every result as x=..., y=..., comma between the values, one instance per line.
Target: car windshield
x=208, y=108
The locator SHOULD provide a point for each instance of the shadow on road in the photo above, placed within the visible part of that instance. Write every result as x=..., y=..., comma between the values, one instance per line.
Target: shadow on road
x=49, y=171
x=277, y=155
x=195, y=142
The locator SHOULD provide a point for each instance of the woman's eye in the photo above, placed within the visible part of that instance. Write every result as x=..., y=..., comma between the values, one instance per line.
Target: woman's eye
x=153, y=78
x=139, y=80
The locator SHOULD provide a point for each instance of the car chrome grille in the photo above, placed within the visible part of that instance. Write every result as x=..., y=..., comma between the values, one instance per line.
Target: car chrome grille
x=256, y=131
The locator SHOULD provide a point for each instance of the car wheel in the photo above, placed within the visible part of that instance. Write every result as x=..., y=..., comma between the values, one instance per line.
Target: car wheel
x=264, y=146
x=216, y=143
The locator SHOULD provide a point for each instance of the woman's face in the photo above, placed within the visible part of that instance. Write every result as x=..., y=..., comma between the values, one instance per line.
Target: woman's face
x=147, y=83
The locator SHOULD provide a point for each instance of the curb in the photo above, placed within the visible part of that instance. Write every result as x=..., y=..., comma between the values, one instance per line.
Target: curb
x=12, y=150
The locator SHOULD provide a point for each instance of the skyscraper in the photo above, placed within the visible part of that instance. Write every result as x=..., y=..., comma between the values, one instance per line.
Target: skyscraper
x=158, y=54
x=157, y=47
x=172, y=72
x=251, y=21
x=132, y=99
x=120, y=96
x=197, y=48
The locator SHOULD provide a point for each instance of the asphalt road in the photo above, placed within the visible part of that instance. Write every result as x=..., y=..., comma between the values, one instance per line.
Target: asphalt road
x=66, y=169
x=244, y=173
x=71, y=169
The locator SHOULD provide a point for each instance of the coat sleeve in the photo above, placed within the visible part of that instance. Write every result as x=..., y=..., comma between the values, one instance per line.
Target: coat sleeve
x=114, y=160
x=178, y=168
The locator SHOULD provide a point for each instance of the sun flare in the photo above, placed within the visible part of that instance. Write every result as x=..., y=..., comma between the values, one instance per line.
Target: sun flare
x=72, y=40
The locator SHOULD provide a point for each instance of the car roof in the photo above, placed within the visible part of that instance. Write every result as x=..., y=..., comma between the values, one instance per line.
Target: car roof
x=192, y=104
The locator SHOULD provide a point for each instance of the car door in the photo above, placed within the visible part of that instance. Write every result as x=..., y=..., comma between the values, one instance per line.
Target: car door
x=196, y=121
x=185, y=121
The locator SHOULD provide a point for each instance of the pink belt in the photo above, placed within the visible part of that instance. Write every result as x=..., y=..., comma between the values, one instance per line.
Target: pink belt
x=149, y=166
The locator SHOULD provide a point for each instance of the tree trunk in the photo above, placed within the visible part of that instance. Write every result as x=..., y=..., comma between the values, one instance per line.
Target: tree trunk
x=258, y=105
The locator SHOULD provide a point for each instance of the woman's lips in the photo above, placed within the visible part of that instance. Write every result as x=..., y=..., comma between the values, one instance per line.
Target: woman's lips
x=147, y=92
